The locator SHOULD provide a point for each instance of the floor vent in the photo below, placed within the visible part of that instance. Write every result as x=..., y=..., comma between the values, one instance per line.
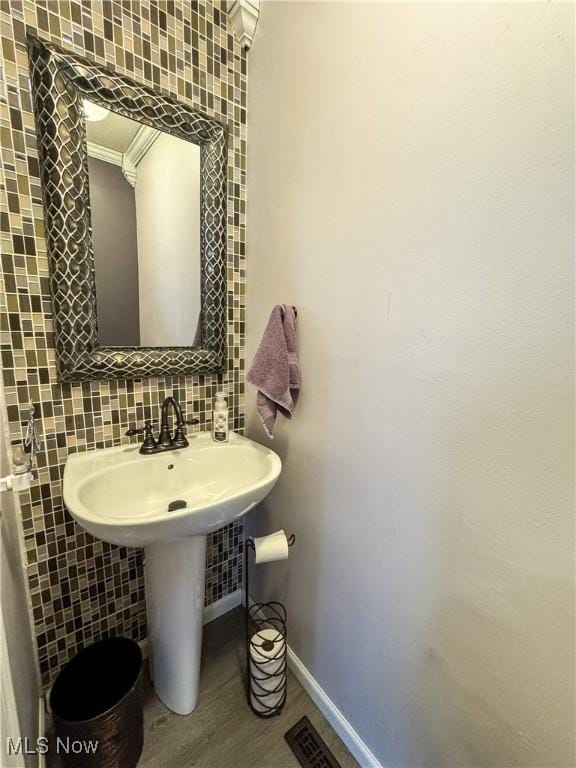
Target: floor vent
x=309, y=747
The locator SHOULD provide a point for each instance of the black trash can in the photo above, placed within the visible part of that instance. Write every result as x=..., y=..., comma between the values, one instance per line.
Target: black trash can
x=96, y=705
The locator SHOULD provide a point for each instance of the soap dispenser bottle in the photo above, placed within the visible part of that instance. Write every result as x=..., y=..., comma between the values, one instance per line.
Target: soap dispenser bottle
x=220, y=433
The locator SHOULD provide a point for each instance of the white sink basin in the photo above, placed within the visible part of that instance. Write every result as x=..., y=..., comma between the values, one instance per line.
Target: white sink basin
x=123, y=497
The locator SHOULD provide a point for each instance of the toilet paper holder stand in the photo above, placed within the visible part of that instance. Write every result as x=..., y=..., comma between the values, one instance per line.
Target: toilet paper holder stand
x=266, y=658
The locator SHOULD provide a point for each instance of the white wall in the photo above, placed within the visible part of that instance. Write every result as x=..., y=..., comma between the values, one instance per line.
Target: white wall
x=410, y=185
x=168, y=224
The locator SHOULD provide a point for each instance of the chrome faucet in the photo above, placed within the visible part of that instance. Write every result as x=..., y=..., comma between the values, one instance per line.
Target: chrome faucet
x=165, y=441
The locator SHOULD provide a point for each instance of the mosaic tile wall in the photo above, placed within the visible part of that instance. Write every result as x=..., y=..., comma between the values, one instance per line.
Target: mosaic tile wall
x=83, y=589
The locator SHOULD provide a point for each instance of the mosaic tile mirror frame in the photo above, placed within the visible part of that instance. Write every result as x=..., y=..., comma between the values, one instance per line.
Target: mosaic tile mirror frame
x=60, y=82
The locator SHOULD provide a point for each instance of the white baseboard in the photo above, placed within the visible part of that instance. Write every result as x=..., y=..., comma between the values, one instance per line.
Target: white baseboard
x=222, y=606
x=211, y=612
x=342, y=727
x=41, y=729
x=359, y=750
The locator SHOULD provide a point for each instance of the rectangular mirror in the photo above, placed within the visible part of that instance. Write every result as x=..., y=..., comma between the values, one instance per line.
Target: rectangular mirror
x=145, y=212
x=134, y=188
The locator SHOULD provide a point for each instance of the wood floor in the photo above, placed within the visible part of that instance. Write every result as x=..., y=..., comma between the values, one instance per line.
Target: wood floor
x=222, y=732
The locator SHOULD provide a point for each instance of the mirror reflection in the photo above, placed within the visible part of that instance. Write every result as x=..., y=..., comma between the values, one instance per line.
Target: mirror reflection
x=145, y=213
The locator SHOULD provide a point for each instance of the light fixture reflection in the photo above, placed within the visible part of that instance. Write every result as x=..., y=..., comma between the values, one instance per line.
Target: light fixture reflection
x=94, y=113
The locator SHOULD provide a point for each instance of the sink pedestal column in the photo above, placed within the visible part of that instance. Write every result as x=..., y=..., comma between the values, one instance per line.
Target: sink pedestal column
x=174, y=572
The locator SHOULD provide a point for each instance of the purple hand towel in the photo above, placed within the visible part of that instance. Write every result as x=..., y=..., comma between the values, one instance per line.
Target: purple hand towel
x=275, y=371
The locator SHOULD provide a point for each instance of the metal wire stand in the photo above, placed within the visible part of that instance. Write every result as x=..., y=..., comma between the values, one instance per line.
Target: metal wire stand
x=266, y=645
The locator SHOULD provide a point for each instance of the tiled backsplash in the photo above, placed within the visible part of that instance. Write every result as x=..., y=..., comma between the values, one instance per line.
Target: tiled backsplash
x=81, y=588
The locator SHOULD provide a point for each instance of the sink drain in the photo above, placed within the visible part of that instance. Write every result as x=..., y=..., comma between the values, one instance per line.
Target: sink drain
x=177, y=504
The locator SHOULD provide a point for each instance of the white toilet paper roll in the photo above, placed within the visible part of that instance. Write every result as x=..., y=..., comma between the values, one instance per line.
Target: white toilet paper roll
x=267, y=549
x=267, y=677
x=266, y=654
x=267, y=669
x=267, y=701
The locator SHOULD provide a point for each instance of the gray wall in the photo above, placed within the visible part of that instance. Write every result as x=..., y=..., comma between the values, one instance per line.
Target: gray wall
x=411, y=178
x=114, y=236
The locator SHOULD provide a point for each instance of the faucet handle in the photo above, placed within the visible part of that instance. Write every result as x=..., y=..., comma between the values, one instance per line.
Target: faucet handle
x=179, y=439
x=148, y=444
x=146, y=429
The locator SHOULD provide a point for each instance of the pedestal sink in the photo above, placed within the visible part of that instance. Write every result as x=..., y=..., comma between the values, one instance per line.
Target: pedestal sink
x=168, y=503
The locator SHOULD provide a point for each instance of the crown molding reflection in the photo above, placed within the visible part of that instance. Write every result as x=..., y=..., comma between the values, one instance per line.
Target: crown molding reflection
x=127, y=161
x=139, y=145
x=106, y=154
